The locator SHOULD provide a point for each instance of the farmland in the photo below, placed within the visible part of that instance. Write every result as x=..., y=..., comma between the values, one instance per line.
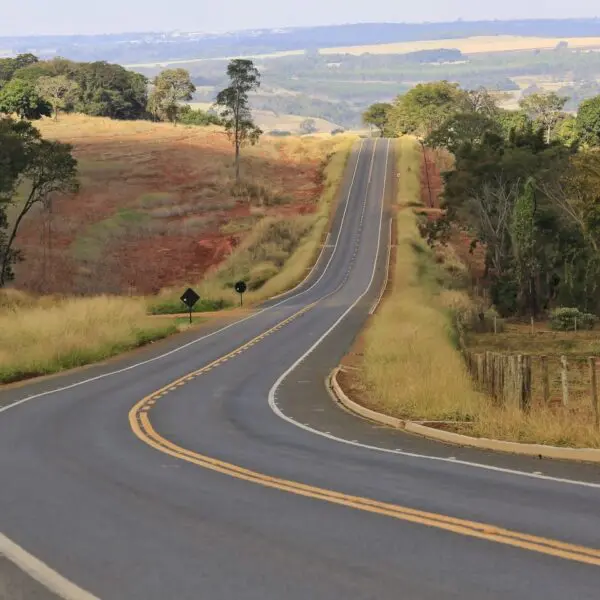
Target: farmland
x=470, y=45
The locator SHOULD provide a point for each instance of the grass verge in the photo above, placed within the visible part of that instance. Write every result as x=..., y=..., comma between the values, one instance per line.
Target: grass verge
x=412, y=367
x=62, y=334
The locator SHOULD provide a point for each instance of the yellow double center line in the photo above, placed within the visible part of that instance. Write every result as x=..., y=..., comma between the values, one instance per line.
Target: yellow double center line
x=142, y=427
x=140, y=424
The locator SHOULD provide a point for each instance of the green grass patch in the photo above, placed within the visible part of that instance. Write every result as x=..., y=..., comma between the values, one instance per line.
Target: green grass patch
x=170, y=305
x=90, y=244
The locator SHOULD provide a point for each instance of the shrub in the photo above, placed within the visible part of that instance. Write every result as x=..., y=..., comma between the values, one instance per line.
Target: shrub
x=570, y=319
x=189, y=116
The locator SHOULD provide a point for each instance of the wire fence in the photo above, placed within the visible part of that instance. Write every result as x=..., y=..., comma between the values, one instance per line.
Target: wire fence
x=522, y=381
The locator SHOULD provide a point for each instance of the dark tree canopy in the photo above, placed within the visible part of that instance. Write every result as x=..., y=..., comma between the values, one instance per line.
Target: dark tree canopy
x=588, y=122
x=23, y=99
x=45, y=166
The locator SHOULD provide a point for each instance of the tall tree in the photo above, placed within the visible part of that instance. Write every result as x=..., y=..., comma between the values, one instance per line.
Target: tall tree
x=8, y=66
x=109, y=90
x=234, y=106
x=59, y=91
x=425, y=107
x=544, y=108
x=171, y=88
x=378, y=115
x=588, y=122
x=523, y=236
x=308, y=126
x=45, y=167
x=463, y=128
x=22, y=98
x=480, y=101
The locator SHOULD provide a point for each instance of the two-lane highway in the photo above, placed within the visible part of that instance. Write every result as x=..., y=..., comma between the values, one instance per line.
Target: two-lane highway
x=218, y=467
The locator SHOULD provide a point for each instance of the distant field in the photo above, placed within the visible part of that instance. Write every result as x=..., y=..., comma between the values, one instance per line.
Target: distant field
x=185, y=61
x=269, y=121
x=546, y=83
x=158, y=205
x=471, y=45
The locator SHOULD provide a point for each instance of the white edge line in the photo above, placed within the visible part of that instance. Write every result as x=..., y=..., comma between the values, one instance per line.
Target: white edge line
x=209, y=335
x=41, y=572
x=387, y=273
x=282, y=415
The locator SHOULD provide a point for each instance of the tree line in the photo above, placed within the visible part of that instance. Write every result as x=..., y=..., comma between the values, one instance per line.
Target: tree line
x=33, y=170
x=31, y=89
x=525, y=185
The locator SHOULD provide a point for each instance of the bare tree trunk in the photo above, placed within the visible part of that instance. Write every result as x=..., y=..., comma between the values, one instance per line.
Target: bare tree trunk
x=237, y=162
x=11, y=239
x=237, y=137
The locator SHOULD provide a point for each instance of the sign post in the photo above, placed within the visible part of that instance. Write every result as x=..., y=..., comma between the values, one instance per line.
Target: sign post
x=240, y=288
x=190, y=298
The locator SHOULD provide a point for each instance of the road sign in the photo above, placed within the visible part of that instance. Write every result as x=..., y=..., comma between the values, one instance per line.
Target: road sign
x=240, y=288
x=190, y=298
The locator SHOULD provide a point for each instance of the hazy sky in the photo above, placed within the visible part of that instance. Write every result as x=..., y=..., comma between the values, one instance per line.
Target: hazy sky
x=28, y=17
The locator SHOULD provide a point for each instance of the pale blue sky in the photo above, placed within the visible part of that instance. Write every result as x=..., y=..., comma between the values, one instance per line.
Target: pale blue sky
x=30, y=17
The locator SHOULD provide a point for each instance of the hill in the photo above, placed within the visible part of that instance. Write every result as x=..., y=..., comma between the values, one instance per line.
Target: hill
x=160, y=46
x=158, y=205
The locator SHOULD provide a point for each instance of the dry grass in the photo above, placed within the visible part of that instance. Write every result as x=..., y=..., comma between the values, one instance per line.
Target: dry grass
x=411, y=365
x=469, y=45
x=60, y=334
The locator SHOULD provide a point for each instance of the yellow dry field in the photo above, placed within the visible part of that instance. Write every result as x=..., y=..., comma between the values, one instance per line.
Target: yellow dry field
x=470, y=45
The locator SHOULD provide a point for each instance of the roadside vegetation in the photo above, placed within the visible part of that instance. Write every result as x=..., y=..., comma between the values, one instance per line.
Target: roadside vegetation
x=412, y=368
x=104, y=220
x=506, y=263
x=39, y=337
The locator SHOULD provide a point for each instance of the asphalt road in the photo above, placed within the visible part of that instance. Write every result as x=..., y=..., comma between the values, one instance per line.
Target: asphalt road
x=216, y=465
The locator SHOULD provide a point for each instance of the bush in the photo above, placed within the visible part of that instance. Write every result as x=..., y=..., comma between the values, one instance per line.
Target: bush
x=189, y=116
x=279, y=133
x=571, y=319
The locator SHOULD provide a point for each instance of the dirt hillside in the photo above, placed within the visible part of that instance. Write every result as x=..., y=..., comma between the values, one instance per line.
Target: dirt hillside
x=158, y=205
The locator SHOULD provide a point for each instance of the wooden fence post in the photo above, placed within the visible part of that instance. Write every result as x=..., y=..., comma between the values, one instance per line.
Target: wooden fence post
x=514, y=380
x=545, y=380
x=519, y=381
x=594, y=391
x=526, y=389
x=564, y=380
x=488, y=371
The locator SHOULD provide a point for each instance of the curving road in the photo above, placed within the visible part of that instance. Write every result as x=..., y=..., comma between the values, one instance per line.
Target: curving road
x=218, y=467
